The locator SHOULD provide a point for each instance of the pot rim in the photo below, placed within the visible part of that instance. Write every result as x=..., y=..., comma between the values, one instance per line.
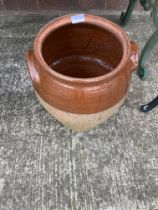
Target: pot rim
x=55, y=24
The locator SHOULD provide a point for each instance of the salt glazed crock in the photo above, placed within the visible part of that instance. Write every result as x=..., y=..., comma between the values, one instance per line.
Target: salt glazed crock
x=81, y=67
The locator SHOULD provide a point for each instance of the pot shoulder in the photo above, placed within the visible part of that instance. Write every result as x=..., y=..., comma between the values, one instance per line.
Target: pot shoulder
x=83, y=98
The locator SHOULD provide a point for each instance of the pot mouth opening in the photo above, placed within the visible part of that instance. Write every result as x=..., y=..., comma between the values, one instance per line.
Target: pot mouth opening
x=90, y=50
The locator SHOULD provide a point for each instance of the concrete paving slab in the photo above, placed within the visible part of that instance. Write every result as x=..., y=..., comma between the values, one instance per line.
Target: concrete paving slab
x=45, y=166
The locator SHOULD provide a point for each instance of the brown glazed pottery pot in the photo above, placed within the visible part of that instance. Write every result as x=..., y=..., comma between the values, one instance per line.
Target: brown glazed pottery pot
x=81, y=67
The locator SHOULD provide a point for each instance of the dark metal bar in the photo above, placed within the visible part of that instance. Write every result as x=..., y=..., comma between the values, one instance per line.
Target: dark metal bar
x=150, y=106
x=125, y=16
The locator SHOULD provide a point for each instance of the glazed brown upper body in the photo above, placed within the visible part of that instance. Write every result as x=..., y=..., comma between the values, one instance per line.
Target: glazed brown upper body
x=82, y=68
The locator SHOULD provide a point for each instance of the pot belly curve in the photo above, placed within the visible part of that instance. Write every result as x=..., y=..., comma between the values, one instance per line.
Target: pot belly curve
x=80, y=122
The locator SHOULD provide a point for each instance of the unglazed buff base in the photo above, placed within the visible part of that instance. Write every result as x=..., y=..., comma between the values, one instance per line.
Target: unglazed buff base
x=80, y=122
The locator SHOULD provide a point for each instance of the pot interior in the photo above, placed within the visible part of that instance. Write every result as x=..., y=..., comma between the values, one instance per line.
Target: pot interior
x=82, y=50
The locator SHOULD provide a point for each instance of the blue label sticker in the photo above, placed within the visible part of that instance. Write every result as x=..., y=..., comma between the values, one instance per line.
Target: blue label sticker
x=78, y=18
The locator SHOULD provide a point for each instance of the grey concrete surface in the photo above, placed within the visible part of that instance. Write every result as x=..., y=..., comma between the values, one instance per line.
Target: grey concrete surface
x=45, y=166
